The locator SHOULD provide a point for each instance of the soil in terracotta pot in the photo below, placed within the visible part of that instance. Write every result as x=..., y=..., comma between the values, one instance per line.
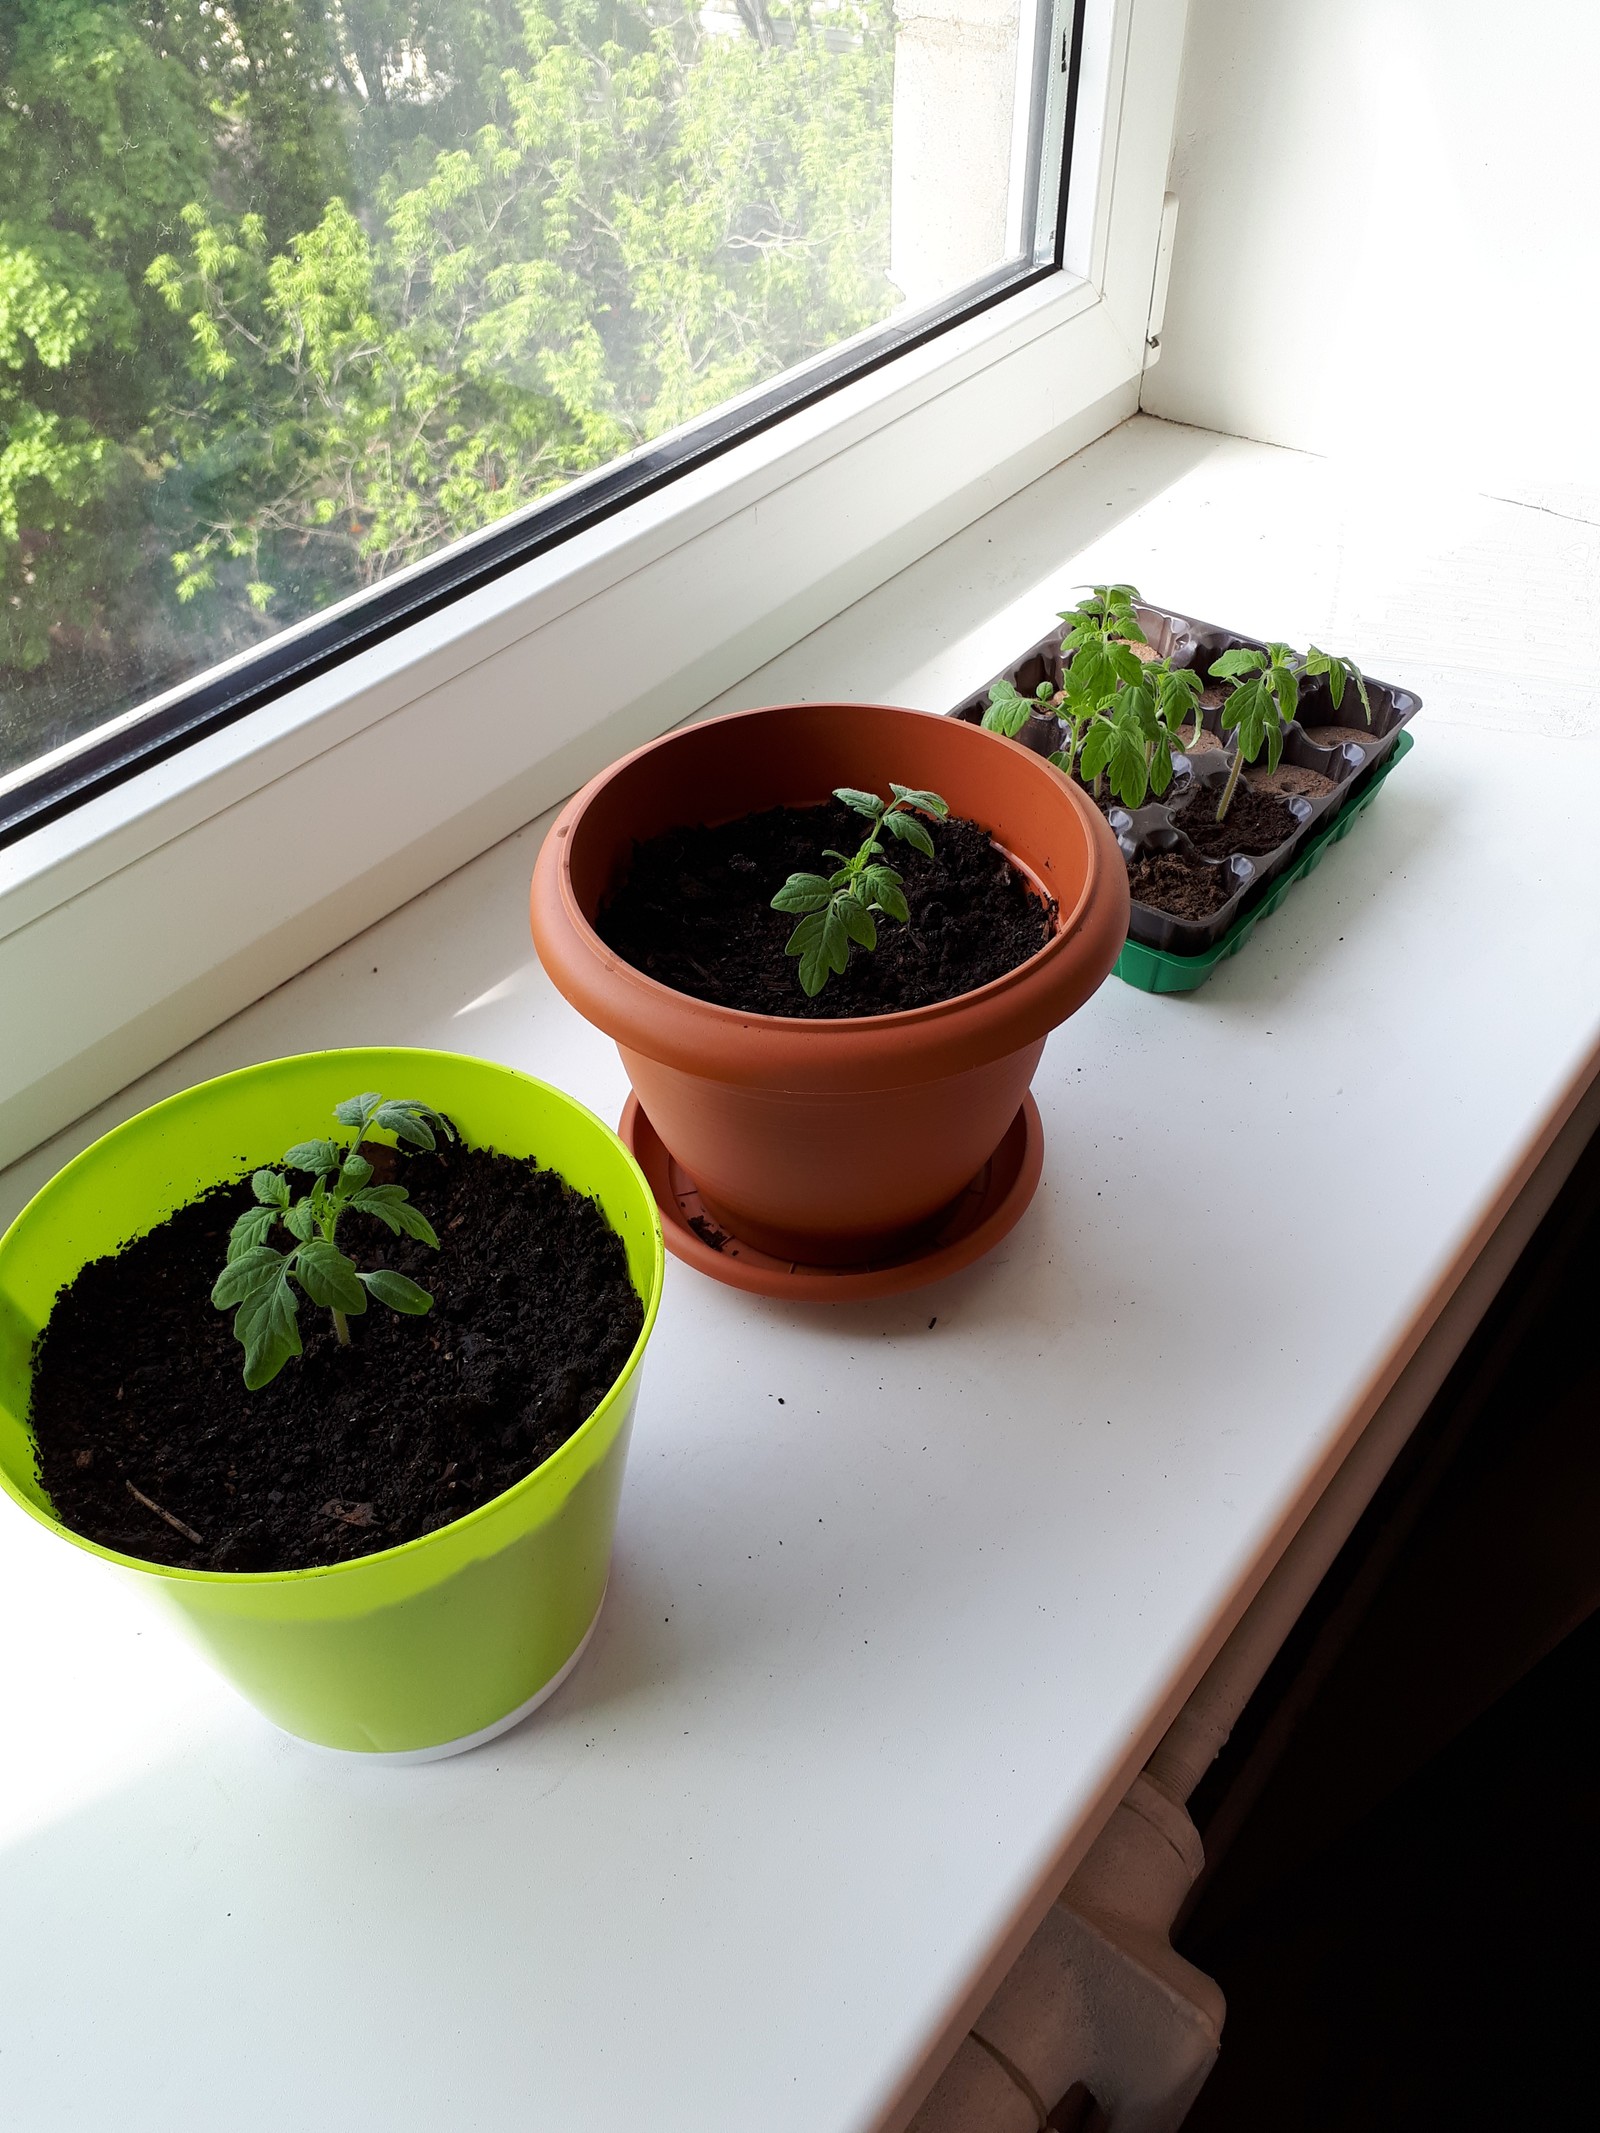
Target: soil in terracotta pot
x=1256, y=822
x=140, y=1409
x=695, y=912
x=1168, y=881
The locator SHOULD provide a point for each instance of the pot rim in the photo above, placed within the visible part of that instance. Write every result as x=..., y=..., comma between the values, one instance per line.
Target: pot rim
x=91, y=1158
x=653, y=1000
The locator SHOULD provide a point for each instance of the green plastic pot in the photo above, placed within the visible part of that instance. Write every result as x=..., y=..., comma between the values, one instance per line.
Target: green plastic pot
x=417, y=1651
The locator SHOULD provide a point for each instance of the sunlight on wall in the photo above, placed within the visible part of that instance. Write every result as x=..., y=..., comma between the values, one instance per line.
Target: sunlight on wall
x=1387, y=235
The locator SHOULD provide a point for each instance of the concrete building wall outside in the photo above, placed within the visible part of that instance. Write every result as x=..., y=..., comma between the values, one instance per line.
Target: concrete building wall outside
x=955, y=92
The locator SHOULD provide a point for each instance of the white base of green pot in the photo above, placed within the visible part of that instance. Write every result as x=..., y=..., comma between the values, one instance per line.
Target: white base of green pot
x=467, y=1740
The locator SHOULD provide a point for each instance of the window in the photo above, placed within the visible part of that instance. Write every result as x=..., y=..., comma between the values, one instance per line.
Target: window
x=163, y=865
x=314, y=316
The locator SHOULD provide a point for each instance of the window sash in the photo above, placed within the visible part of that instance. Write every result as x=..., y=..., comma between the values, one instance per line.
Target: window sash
x=41, y=791
x=154, y=909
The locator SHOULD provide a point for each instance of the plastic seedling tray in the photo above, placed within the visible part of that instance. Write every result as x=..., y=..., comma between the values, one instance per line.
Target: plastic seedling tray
x=1159, y=970
x=1166, y=953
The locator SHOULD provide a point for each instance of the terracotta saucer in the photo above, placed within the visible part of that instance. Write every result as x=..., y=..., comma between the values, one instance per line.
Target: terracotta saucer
x=991, y=1206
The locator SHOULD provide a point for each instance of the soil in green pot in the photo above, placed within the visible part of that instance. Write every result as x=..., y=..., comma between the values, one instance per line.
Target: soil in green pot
x=695, y=912
x=149, y=1442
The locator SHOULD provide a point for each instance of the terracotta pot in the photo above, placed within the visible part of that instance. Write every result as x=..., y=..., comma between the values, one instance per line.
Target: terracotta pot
x=830, y=1141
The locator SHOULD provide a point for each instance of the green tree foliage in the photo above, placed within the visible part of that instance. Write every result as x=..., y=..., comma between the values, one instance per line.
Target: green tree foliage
x=288, y=142
x=105, y=135
x=292, y=294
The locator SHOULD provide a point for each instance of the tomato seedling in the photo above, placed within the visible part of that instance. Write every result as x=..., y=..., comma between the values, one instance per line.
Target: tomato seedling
x=843, y=907
x=261, y=1281
x=1265, y=697
x=1124, y=715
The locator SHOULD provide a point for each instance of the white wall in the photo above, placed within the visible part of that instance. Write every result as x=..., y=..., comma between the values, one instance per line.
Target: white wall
x=1389, y=234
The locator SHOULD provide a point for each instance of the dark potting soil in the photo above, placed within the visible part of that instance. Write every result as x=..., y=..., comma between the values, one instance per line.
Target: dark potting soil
x=1255, y=822
x=1168, y=881
x=138, y=1382
x=694, y=912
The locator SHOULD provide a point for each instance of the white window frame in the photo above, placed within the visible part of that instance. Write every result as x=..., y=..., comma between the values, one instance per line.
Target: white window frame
x=153, y=911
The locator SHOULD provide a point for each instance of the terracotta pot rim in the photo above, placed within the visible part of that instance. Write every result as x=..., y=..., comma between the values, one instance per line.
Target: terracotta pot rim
x=834, y=1026
x=901, y=1048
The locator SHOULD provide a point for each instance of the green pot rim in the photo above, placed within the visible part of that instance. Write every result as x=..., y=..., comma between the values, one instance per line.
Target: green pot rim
x=89, y=1157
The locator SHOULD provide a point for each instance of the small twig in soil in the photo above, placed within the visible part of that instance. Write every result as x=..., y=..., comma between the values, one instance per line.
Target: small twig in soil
x=176, y=1524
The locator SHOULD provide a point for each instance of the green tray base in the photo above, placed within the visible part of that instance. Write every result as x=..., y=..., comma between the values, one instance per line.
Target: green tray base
x=1159, y=970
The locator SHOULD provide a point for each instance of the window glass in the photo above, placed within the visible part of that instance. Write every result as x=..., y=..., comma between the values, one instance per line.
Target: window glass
x=295, y=295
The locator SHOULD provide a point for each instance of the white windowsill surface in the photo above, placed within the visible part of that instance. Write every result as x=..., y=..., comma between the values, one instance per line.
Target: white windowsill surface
x=903, y=1592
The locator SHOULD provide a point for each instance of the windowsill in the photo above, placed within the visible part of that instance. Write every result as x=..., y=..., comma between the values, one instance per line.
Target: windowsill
x=876, y=1663
x=152, y=913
